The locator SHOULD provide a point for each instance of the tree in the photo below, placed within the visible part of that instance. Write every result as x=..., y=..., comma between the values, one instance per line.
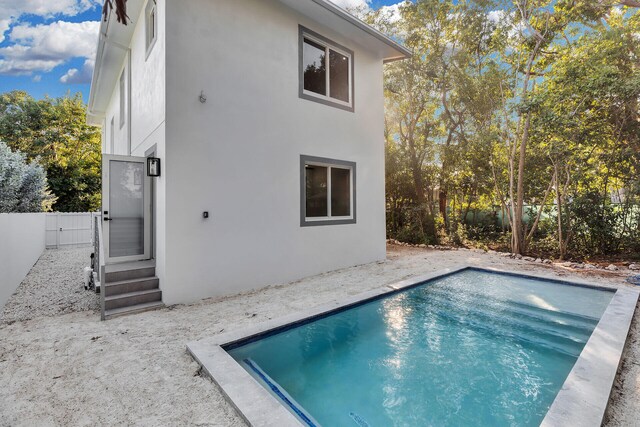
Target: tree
x=527, y=106
x=23, y=186
x=55, y=132
x=586, y=119
x=447, y=91
x=412, y=125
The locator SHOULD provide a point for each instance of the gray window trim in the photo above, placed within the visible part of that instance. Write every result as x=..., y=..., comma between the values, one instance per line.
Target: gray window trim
x=112, y=136
x=304, y=159
x=301, y=32
x=122, y=97
x=150, y=43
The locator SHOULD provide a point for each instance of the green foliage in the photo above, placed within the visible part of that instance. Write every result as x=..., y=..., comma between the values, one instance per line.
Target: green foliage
x=23, y=186
x=585, y=121
x=55, y=132
x=552, y=84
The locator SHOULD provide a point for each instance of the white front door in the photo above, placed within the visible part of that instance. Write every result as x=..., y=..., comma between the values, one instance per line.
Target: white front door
x=126, y=208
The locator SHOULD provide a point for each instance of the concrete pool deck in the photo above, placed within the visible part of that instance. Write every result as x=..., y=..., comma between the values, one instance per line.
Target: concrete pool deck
x=73, y=369
x=584, y=396
x=582, y=401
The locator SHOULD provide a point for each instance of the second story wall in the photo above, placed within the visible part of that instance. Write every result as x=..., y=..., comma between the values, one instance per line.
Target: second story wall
x=132, y=120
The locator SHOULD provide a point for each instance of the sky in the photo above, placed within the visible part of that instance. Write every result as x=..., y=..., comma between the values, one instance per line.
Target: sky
x=47, y=47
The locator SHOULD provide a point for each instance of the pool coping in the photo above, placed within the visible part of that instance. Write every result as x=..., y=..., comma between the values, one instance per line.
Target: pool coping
x=582, y=400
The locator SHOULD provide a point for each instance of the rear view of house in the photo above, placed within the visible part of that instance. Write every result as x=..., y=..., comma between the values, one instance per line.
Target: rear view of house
x=261, y=122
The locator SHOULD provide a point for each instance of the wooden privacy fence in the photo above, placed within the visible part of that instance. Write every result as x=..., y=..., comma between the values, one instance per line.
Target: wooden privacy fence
x=69, y=229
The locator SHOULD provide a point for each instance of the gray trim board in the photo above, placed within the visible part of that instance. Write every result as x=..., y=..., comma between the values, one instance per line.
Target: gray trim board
x=301, y=32
x=151, y=152
x=304, y=159
x=581, y=401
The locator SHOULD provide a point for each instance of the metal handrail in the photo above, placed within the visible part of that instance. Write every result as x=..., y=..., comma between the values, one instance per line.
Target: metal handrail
x=99, y=260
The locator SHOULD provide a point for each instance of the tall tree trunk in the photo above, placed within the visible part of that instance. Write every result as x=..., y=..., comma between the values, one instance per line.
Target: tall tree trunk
x=442, y=202
x=561, y=248
x=518, y=232
x=418, y=180
x=443, y=193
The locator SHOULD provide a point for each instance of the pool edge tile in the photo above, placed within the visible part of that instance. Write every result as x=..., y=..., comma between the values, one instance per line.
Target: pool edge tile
x=253, y=402
x=584, y=396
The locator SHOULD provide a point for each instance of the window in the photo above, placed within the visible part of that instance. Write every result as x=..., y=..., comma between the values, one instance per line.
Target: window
x=327, y=189
x=122, y=98
x=326, y=71
x=112, y=137
x=151, y=24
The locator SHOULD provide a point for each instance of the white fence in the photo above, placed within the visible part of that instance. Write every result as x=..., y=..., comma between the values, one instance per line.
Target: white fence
x=21, y=244
x=69, y=230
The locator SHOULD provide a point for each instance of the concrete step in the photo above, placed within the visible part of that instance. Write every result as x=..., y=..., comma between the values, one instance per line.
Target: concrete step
x=129, y=271
x=134, y=309
x=131, y=299
x=128, y=286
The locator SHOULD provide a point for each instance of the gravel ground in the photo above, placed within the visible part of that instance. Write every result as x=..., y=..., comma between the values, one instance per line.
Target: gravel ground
x=73, y=369
x=54, y=286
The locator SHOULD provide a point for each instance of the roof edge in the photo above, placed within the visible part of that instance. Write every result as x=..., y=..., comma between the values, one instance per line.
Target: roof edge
x=340, y=12
x=104, y=25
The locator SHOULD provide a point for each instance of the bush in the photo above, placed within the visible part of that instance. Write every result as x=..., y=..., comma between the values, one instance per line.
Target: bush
x=594, y=226
x=23, y=186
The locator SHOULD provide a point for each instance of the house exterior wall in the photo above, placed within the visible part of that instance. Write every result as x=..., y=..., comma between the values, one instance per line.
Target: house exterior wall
x=145, y=75
x=116, y=138
x=237, y=156
x=145, y=126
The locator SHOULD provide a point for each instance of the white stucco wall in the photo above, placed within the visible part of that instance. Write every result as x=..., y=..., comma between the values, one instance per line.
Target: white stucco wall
x=120, y=136
x=22, y=240
x=238, y=155
x=147, y=86
x=146, y=109
x=146, y=116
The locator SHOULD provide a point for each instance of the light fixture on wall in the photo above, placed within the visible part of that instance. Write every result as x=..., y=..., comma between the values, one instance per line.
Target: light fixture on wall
x=203, y=97
x=153, y=166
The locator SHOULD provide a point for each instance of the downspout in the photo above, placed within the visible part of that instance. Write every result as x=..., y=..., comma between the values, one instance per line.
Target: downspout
x=128, y=64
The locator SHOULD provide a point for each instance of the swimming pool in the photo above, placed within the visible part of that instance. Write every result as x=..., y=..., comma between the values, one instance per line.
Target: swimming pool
x=474, y=347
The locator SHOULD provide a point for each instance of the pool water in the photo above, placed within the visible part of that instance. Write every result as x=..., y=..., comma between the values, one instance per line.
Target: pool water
x=472, y=348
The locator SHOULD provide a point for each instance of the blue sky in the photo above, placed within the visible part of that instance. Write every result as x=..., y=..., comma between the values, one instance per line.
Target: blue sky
x=47, y=47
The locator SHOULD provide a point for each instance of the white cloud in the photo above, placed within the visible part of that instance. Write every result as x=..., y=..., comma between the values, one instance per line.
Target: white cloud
x=4, y=26
x=393, y=11
x=44, y=8
x=37, y=78
x=12, y=10
x=496, y=16
x=352, y=4
x=42, y=47
x=75, y=76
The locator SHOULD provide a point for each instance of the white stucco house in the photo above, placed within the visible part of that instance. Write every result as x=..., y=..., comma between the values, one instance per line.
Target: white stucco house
x=267, y=118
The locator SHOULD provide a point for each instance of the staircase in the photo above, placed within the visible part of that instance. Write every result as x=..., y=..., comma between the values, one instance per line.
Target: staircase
x=129, y=288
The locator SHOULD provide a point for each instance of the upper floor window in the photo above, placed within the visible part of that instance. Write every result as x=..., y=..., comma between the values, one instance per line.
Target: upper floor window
x=112, y=137
x=123, y=94
x=326, y=71
x=151, y=24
